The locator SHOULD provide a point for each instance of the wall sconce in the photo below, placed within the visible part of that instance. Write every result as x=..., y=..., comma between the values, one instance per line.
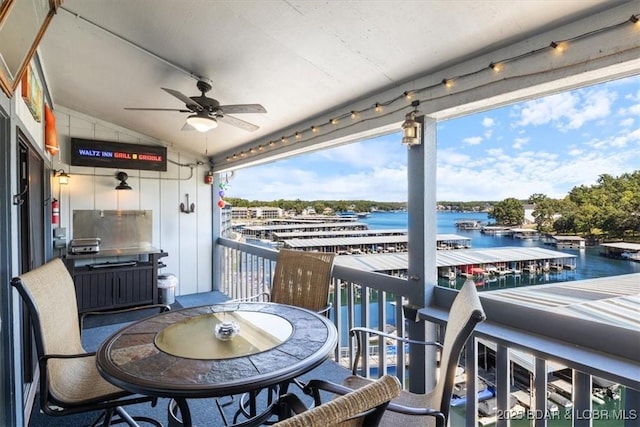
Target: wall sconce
x=63, y=177
x=122, y=177
x=411, y=130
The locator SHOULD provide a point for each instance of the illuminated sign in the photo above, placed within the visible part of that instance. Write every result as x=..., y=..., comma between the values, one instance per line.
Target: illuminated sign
x=118, y=155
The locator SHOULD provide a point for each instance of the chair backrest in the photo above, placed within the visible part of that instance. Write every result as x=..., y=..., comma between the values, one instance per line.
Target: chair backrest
x=50, y=295
x=348, y=410
x=302, y=279
x=465, y=313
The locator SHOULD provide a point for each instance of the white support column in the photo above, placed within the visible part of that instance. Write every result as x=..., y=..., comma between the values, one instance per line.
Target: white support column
x=422, y=230
x=216, y=232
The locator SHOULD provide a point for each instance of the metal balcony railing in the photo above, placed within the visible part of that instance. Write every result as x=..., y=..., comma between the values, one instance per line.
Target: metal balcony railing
x=375, y=300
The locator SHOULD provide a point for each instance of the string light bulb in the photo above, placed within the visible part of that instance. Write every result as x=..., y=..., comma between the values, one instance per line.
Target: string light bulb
x=558, y=46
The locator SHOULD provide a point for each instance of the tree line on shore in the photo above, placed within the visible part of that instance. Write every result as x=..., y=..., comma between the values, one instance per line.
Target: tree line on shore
x=609, y=209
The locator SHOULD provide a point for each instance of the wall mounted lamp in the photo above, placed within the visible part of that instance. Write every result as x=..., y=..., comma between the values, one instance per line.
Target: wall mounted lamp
x=411, y=130
x=202, y=122
x=122, y=177
x=63, y=177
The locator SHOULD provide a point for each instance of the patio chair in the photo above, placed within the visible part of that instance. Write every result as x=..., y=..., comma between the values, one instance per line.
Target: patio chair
x=362, y=407
x=432, y=408
x=300, y=278
x=69, y=380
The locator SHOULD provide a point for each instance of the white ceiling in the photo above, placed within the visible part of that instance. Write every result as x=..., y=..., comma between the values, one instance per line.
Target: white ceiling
x=298, y=58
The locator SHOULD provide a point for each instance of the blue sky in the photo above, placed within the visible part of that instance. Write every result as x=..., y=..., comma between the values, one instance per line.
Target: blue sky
x=548, y=145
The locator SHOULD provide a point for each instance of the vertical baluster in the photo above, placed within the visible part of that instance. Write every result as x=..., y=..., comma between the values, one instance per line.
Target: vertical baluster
x=471, y=374
x=539, y=408
x=581, y=399
x=503, y=387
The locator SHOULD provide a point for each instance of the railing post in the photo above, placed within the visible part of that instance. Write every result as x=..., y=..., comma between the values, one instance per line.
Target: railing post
x=539, y=410
x=582, y=409
x=471, y=374
x=631, y=414
x=503, y=388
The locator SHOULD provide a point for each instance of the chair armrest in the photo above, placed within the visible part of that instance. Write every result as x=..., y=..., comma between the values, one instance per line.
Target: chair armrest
x=361, y=334
x=314, y=386
x=161, y=307
x=326, y=309
x=46, y=357
x=289, y=404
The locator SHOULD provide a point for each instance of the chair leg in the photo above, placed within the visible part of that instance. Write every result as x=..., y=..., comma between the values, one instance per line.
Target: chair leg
x=106, y=419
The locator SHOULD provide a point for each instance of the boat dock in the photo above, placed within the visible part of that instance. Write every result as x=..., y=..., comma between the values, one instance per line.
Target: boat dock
x=467, y=261
x=356, y=242
x=621, y=250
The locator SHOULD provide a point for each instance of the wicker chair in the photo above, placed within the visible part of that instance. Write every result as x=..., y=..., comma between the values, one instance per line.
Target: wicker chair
x=301, y=279
x=430, y=409
x=362, y=407
x=69, y=380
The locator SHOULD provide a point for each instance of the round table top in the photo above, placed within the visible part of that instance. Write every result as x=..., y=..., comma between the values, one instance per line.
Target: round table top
x=286, y=342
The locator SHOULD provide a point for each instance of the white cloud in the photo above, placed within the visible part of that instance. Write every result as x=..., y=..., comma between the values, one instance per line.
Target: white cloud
x=569, y=110
x=519, y=143
x=472, y=140
x=627, y=122
x=488, y=122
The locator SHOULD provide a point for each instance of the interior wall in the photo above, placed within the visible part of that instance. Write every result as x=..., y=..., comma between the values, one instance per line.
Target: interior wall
x=187, y=238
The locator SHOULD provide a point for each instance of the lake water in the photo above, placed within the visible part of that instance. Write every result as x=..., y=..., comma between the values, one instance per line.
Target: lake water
x=589, y=263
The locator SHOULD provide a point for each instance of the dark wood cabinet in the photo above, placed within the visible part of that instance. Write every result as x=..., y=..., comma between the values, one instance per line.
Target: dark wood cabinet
x=102, y=284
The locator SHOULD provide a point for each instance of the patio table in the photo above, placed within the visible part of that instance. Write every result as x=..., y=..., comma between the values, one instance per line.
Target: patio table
x=177, y=355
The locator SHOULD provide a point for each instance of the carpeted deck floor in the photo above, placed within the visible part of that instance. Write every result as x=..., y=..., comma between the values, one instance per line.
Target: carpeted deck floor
x=204, y=411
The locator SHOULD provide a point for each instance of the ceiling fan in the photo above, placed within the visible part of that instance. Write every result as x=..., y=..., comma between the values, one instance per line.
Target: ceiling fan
x=206, y=112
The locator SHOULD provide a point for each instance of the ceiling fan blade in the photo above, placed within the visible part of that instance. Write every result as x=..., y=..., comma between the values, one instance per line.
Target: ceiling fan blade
x=157, y=109
x=233, y=121
x=243, y=108
x=184, y=98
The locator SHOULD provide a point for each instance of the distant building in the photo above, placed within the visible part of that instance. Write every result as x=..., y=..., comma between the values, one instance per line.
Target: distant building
x=266, y=212
x=528, y=213
x=239, y=213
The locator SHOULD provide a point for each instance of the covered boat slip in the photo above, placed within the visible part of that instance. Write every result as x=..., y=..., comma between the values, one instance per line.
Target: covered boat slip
x=369, y=241
x=621, y=250
x=338, y=233
x=583, y=313
x=610, y=300
x=266, y=231
x=464, y=258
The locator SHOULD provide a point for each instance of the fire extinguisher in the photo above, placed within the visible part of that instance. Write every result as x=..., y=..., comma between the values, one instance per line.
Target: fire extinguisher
x=55, y=211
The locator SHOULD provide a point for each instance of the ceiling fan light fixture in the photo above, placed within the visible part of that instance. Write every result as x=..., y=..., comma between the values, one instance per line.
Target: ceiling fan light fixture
x=202, y=122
